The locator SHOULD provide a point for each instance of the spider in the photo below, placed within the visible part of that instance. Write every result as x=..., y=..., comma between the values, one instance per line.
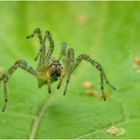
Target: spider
x=48, y=69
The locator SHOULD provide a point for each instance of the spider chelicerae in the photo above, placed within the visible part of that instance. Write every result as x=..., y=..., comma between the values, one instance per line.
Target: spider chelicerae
x=49, y=69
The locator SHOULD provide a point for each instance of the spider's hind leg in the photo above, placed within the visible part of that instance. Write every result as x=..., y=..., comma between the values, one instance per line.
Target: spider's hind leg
x=5, y=93
x=98, y=67
x=5, y=78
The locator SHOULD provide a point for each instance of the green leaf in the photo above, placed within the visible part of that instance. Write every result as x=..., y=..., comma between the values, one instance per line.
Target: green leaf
x=109, y=33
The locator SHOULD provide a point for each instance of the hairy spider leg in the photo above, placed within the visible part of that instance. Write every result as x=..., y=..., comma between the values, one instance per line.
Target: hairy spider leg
x=49, y=85
x=69, y=66
x=63, y=58
x=63, y=52
x=98, y=66
x=42, y=49
x=20, y=63
x=106, y=80
x=61, y=79
x=38, y=32
x=102, y=86
x=104, y=75
x=51, y=48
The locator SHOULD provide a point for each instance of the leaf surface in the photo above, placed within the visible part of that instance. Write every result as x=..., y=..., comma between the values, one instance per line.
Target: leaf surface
x=109, y=33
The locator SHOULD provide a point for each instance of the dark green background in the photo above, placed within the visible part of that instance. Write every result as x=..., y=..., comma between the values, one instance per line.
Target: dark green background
x=108, y=32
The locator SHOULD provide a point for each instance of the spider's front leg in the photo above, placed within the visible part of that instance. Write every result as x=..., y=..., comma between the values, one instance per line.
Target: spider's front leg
x=42, y=50
x=51, y=48
x=5, y=78
x=99, y=68
x=38, y=32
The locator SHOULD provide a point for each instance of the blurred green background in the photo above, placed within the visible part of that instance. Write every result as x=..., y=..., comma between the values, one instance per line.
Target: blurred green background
x=108, y=32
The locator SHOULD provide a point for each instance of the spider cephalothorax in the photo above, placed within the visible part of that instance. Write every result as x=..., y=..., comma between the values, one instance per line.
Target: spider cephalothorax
x=49, y=73
x=50, y=70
